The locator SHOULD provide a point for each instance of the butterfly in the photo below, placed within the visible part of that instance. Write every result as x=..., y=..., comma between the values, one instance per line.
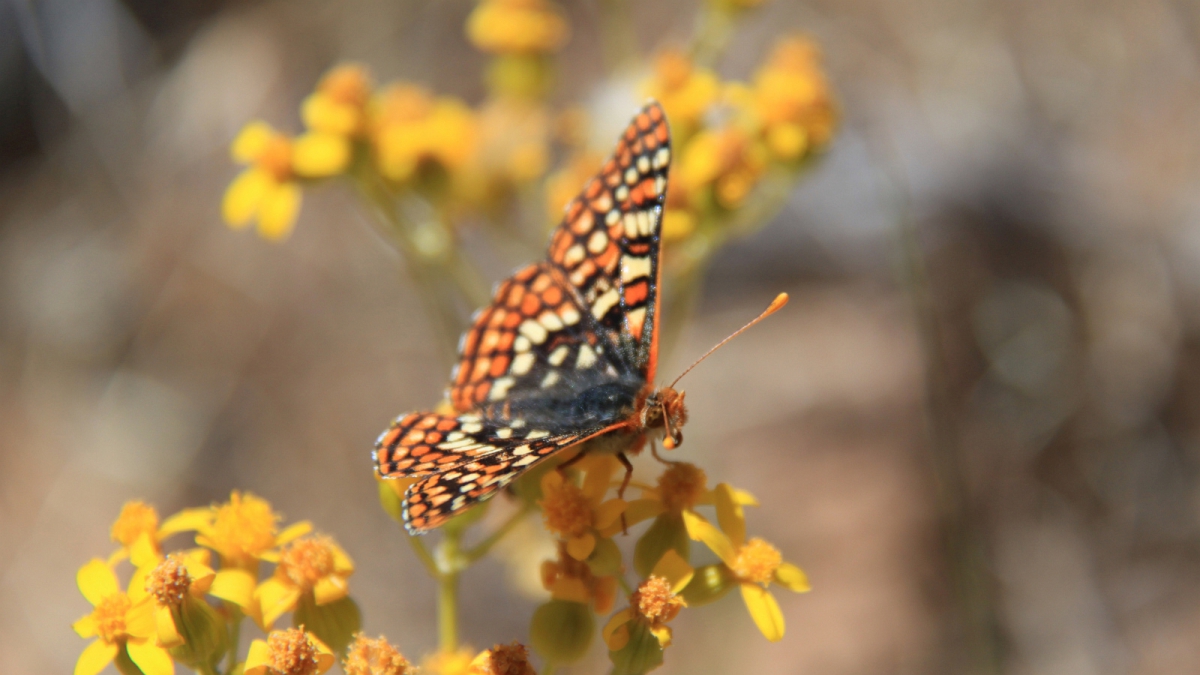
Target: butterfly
x=566, y=352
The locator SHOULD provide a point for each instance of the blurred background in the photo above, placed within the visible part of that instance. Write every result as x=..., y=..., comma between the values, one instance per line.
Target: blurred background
x=976, y=426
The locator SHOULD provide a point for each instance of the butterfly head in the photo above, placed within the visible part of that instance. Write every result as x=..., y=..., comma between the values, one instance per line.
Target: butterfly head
x=665, y=408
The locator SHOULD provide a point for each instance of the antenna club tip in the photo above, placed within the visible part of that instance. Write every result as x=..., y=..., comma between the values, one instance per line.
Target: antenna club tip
x=776, y=304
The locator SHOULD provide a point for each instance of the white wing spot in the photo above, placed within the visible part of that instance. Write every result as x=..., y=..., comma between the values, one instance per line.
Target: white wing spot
x=559, y=355
x=534, y=331
x=569, y=315
x=526, y=461
x=536, y=433
x=604, y=303
x=662, y=158
x=621, y=193
x=631, y=175
x=645, y=225
x=522, y=363
x=643, y=164
x=660, y=184
x=631, y=228
x=551, y=321
x=586, y=358
x=550, y=380
x=522, y=450
x=504, y=433
x=522, y=344
x=517, y=424
x=500, y=389
x=574, y=256
x=455, y=436
x=634, y=267
x=466, y=487
x=612, y=217
x=597, y=242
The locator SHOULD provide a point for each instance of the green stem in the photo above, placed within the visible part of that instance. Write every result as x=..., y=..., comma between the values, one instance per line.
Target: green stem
x=206, y=668
x=423, y=555
x=549, y=668
x=481, y=549
x=235, y=635
x=450, y=560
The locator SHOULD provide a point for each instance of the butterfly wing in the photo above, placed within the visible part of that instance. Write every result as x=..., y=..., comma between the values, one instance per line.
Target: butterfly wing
x=459, y=459
x=607, y=246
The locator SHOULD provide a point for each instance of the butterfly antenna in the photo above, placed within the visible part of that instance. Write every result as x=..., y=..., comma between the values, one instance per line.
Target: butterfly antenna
x=776, y=304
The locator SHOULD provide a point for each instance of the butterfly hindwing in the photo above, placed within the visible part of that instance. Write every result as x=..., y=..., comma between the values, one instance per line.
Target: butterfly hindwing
x=607, y=245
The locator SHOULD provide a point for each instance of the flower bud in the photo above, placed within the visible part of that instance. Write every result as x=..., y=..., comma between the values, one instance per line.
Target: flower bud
x=665, y=533
x=709, y=583
x=334, y=623
x=205, y=639
x=605, y=560
x=561, y=631
x=641, y=654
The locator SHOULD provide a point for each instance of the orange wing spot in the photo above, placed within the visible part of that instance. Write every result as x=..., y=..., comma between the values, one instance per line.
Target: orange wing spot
x=630, y=131
x=581, y=225
x=418, y=451
x=433, y=437
x=553, y=296
x=531, y=305
x=573, y=209
x=438, y=500
x=447, y=424
x=415, y=508
x=389, y=437
x=429, y=422
x=608, y=260
x=481, y=391
x=643, y=121
x=639, y=248
x=655, y=113
x=506, y=342
x=514, y=296
x=613, y=179
x=585, y=270
x=472, y=340
x=448, y=459
x=526, y=273
x=660, y=133
x=651, y=142
x=499, y=366
x=490, y=339
x=624, y=159
x=541, y=283
x=512, y=320
x=592, y=189
x=562, y=241
x=404, y=464
x=414, y=436
x=480, y=368
x=635, y=294
x=603, y=203
x=495, y=319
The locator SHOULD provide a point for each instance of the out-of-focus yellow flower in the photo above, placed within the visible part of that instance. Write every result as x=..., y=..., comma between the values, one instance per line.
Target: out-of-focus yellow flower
x=118, y=622
x=267, y=190
x=564, y=184
x=409, y=127
x=718, y=167
x=314, y=565
x=243, y=531
x=338, y=106
x=288, y=652
x=137, y=526
x=655, y=602
x=792, y=98
x=168, y=580
x=685, y=91
x=513, y=150
x=753, y=564
x=579, y=516
x=517, y=27
x=368, y=656
x=448, y=663
x=573, y=580
x=509, y=659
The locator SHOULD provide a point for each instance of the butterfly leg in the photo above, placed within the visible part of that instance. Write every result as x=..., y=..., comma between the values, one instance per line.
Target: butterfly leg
x=624, y=484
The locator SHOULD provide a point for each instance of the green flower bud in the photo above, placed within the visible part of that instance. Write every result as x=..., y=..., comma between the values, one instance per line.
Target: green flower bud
x=561, y=630
x=391, y=502
x=709, y=584
x=334, y=623
x=205, y=638
x=605, y=560
x=665, y=533
x=641, y=654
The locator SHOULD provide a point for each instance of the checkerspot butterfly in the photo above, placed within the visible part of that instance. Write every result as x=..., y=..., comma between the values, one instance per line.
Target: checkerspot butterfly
x=565, y=353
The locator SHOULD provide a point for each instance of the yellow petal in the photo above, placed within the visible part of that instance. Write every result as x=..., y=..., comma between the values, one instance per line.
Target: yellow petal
x=187, y=520
x=730, y=515
x=85, y=627
x=674, y=569
x=234, y=585
x=275, y=598
x=642, y=509
x=317, y=155
x=608, y=513
x=581, y=547
x=342, y=564
x=277, y=215
x=164, y=627
x=764, y=610
x=150, y=658
x=701, y=530
x=293, y=531
x=144, y=552
x=792, y=578
x=137, y=583
x=322, y=113
x=196, y=562
x=96, y=581
x=615, y=634
x=257, y=659
x=95, y=657
x=663, y=634
x=244, y=196
x=330, y=588
x=599, y=474
x=250, y=141
x=551, y=481
x=570, y=588
x=325, y=658
x=139, y=620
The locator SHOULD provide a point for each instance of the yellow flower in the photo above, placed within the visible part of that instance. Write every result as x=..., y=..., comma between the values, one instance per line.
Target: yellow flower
x=410, y=127
x=119, y=622
x=513, y=149
x=655, y=602
x=792, y=98
x=573, y=580
x=509, y=659
x=339, y=104
x=448, y=663
x=685, y=91
x=288, y=652
x=266, y=191
x=718, y=166
x=517, y=27
x=368, y=656
x=314, y=565
x=578, y=515
x=753, y=564
x=243, y=531
x=137, y=528
x=564, y=184
x=168, y=580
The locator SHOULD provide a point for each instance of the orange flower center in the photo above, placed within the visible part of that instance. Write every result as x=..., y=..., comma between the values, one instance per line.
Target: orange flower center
x=307, y=561
x=290, y=652
x=243, y=528
x=347, y=84
x=109, y=616
x=510, y=659
x=374, y=657
x=673, y=69
x=169, y=582
x=276, y=157
x=567, y=510
x=655, y=601
x=757, y=562
x=681, y=485
x=136, y=518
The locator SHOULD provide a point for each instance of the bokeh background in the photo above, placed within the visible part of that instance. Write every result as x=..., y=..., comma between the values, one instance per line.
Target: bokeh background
x=976, y=425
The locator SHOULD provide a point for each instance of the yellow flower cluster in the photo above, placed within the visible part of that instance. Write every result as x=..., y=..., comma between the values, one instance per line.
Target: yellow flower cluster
x=517, y=27
x=162, y=617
